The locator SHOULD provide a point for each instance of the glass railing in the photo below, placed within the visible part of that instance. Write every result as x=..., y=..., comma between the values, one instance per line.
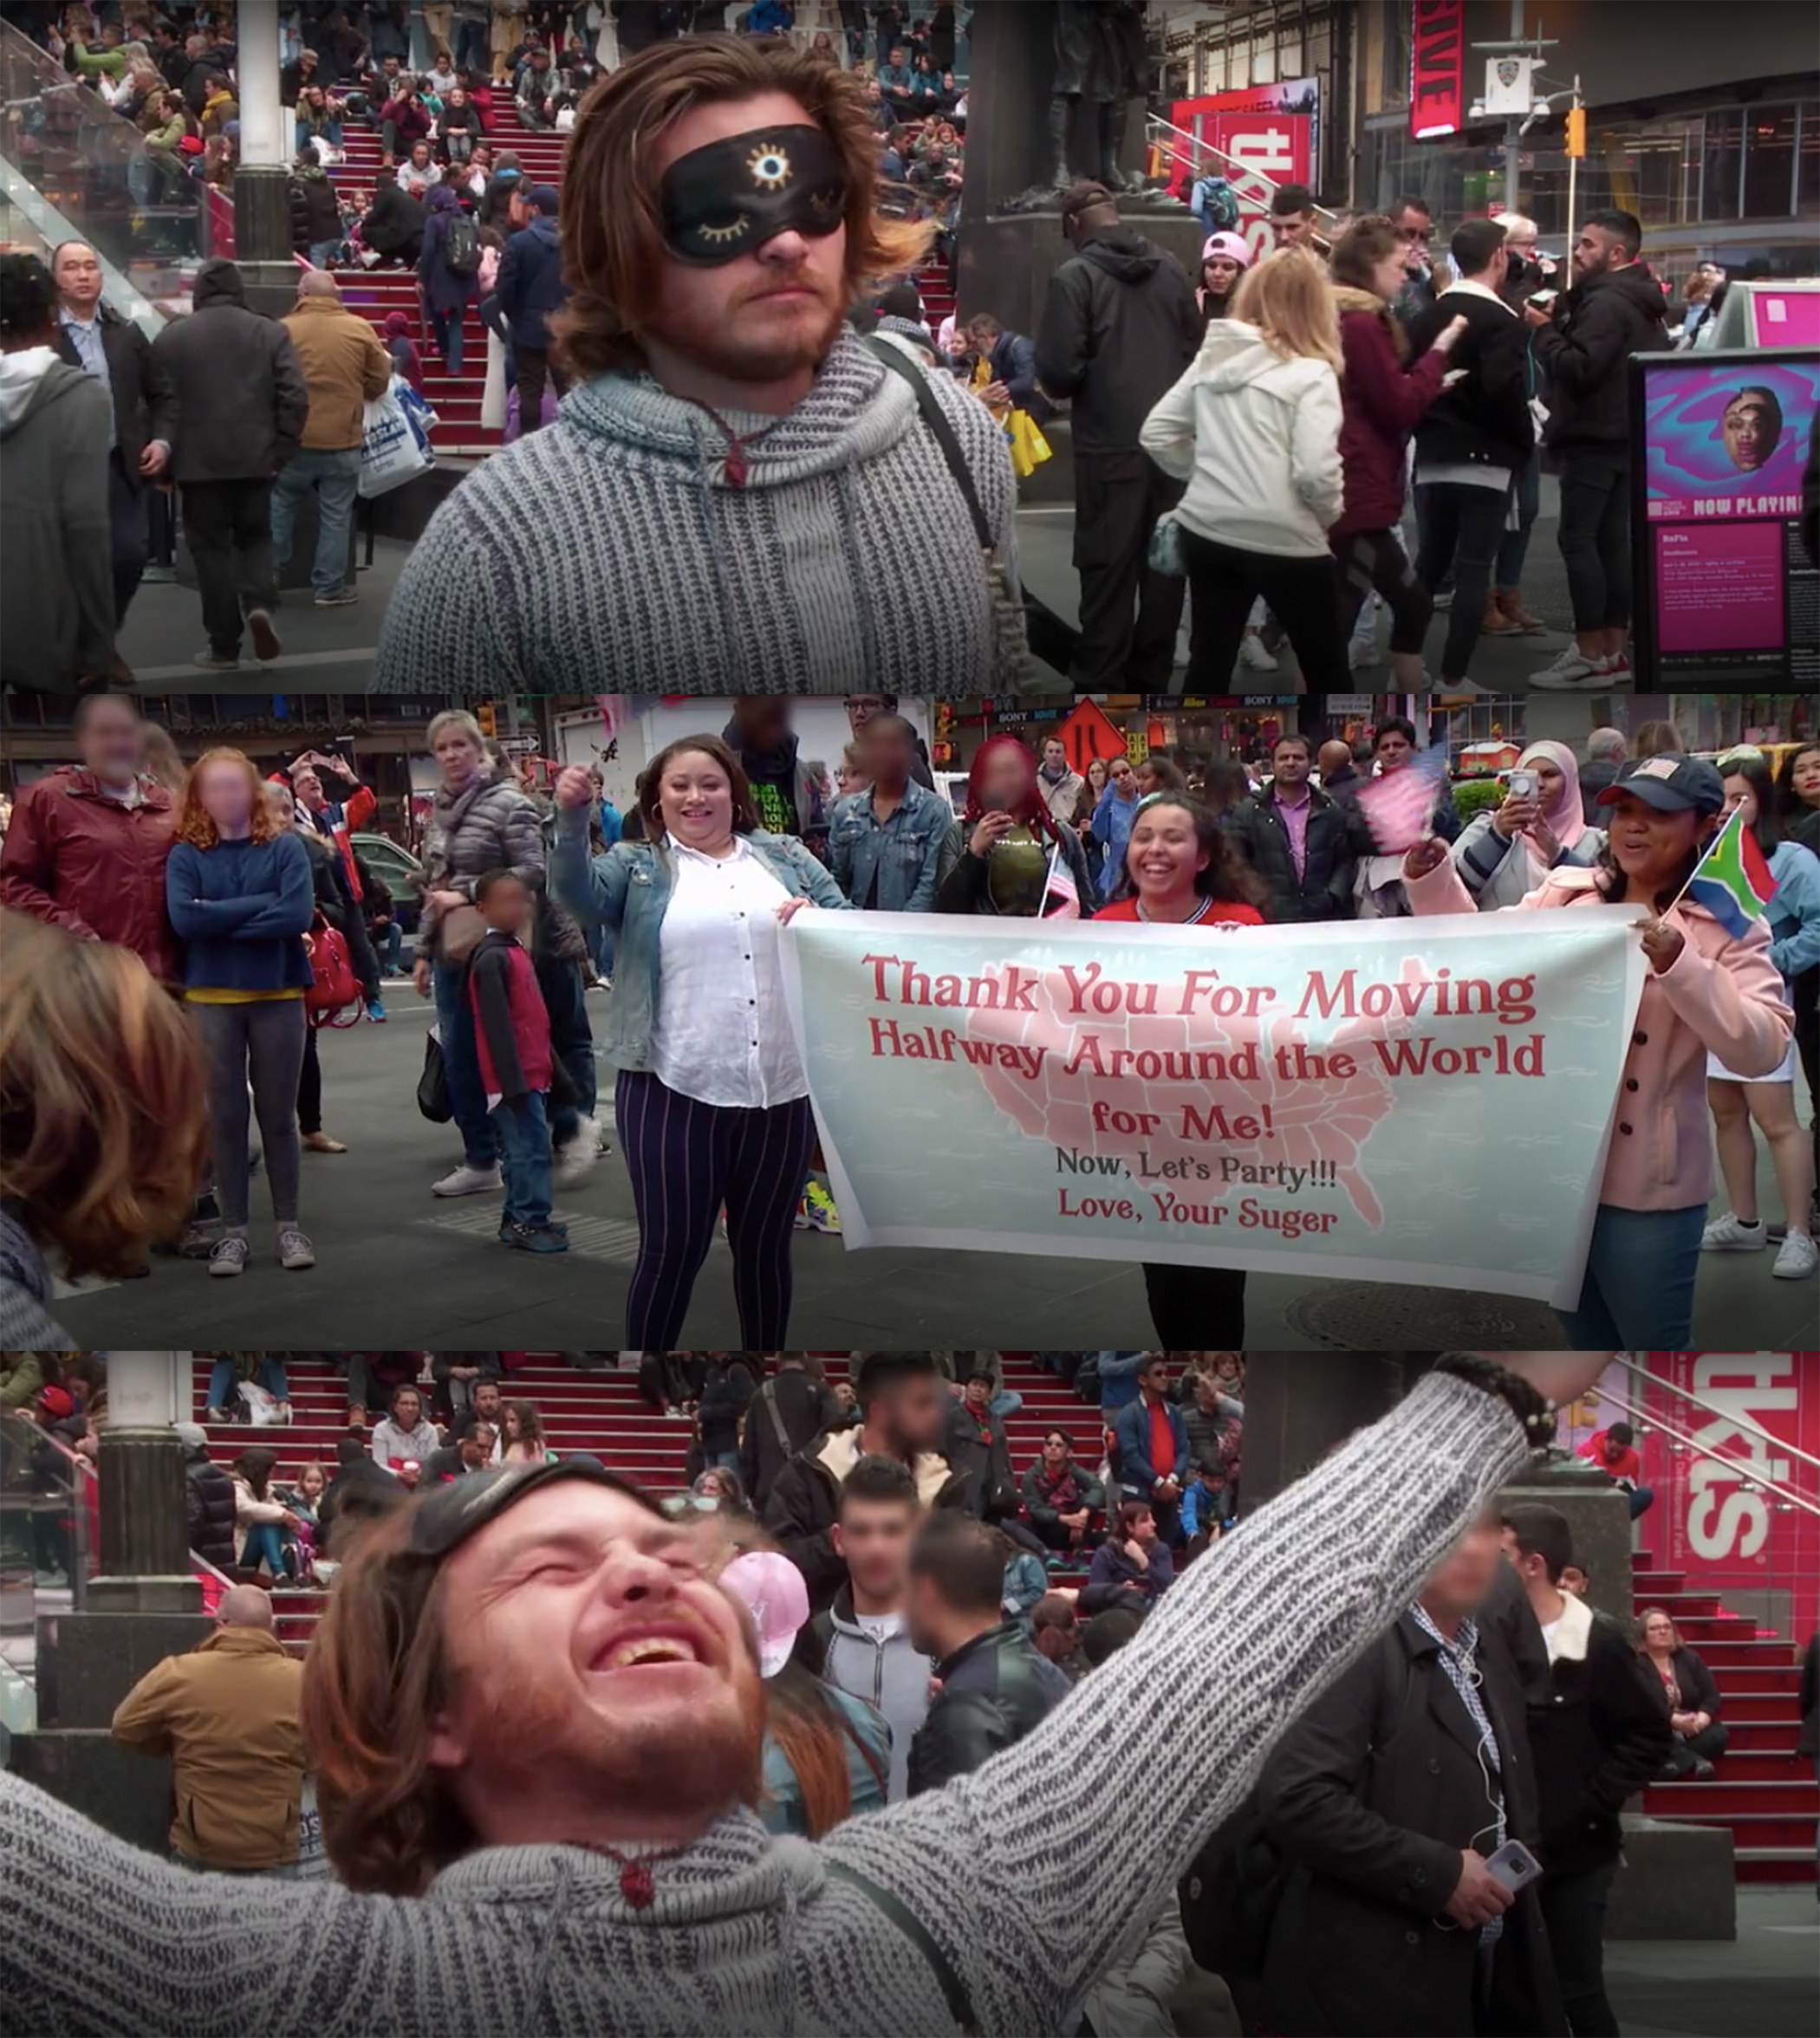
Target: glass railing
x=73, y=169
x=47, y=1536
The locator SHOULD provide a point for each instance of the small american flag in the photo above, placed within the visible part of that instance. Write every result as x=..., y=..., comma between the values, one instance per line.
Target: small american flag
x=1397, y=806
x=1061, y=900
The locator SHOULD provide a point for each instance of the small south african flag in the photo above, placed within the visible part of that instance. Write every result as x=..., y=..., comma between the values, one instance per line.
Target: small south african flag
x=1733, y=880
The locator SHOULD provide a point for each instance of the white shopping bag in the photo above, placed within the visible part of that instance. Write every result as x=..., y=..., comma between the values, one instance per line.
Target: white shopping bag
x=391, y=452
x=262, y=1405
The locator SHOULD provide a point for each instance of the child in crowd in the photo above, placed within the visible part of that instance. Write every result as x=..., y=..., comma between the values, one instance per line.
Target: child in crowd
x=511, y=1033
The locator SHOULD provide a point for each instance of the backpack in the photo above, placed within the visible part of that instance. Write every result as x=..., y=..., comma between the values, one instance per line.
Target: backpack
x=1214, y=200
x=1235, y=1885
x=461, y=247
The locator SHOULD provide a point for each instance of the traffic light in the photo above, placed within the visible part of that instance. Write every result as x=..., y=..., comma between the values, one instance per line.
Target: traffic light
x=1576, y=131
x=484, y=716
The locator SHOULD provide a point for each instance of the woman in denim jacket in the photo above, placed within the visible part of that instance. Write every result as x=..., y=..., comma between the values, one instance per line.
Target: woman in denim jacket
x=712, y=1100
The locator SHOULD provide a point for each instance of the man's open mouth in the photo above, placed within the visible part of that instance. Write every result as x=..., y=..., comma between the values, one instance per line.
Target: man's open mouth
x=634, y=1651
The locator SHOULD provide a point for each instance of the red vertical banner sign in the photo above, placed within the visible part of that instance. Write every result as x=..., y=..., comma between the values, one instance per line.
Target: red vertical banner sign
x=1437, y=67
x=1716, y=1517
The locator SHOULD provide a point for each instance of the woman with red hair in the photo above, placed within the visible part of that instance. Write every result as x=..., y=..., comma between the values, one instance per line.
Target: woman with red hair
x=1010, y=839
x=241, y=897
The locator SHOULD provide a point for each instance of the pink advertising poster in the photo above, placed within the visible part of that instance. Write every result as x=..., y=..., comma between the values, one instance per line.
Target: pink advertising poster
x=1728, y=591
x=1266, y=136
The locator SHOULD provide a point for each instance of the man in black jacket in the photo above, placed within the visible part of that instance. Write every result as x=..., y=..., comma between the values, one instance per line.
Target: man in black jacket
x=1298, y=839
x=113, y=349
x=976, y=1445
x=1385, y=1803
x=1600, y=1735
x=903, y=1408
x=995, y=1685
x=1474, y=438
x=209, y=1494
x=242, y=404
x=1119, y=329
x=1583, y=343
x=790, y=1411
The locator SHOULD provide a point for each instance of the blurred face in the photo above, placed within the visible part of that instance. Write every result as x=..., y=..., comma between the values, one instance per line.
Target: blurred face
x=1143, y=1528
x=311, y=1480
x=1149, y=779
x=1123, y=778
x=1290, y=766
x=112, y=742
x=1055, y=1450
x=278, y=803
x=407, y=1409
x=1464, y=1578
x=1292, y=230
x=887, y=752
x=507, y=905
x=695, y=799
x=767, y=315
x=1741, y=797
x=1805, y=777
x=513, y=1427
x=1417, y=231
x=1218, y=273
x=459, y=755
x=1659, y=1632
x=1003, y=784
x=1054, y=758
x=1750, y=432
x=1550, y=784
x=227, y=793
x=78, y=278
x=913, y=1411
x=476, y=1447
x=873, y=1536
x=1647, y=845
x=851, y=777
x=978, y=1392
x=309, y=788
x=862, y=707
x=484, y=1396
x=1393, y=750
x=1389, y=274
x=596, y=1668
x=1154, y=1379
x=1165, y=853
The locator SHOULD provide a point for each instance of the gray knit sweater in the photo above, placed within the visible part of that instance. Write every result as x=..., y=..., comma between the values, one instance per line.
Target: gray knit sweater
x=609, y=551
x=748, y=1932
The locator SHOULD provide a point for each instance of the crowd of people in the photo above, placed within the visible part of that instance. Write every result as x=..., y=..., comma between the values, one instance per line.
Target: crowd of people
x=248, y=899
x=1360, y=1866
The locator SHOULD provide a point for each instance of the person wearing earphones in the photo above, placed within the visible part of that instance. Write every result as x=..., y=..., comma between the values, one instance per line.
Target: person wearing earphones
x=1385, y=1804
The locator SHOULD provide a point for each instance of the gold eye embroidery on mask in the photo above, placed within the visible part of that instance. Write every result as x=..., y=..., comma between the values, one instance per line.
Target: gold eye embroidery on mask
x=730, y=231
x=770, y=168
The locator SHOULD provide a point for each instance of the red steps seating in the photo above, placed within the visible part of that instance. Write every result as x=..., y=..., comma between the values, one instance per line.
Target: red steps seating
x=1764, y=1792
x=374, y=292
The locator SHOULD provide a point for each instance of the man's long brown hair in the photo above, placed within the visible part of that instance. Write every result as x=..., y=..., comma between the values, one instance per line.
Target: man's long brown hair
x=612, y=224
x=103, y=1129
x=376, y=1677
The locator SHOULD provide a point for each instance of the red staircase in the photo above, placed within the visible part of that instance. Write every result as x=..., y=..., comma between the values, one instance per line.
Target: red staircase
x=373, y=292
x=457, y=400
x=1764, y=1792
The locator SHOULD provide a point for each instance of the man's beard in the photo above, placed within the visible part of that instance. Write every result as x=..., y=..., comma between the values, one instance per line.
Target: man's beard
x=742, y=350
x=533, y=1733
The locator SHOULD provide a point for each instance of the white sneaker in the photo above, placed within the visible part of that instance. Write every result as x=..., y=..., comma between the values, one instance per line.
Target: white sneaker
x=1797, y=1259
x=1731, y=1233
x=468, y=1181
x=1573, y=668
x=1253, y=656
x=1470, y=689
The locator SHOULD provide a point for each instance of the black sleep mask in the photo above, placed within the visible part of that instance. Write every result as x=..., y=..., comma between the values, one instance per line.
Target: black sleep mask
x=729, y=199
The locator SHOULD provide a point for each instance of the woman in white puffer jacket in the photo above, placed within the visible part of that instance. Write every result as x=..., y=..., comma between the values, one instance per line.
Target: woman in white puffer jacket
x=1254, y=430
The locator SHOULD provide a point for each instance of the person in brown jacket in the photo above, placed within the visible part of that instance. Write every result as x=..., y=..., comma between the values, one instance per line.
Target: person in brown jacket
x=86, y=846
x=345, y=368
x=227, y=1714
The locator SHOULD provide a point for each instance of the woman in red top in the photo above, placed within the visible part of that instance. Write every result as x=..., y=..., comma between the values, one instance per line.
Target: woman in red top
x=1181, y=872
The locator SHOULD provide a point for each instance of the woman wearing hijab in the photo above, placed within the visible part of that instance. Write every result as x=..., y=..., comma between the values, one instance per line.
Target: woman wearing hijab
x=447, y=293
x=1224, y=261
x=1503, y=854
x=405, y=360
x=1010, y=839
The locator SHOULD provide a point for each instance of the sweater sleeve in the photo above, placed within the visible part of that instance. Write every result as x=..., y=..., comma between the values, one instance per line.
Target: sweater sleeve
x=1734, y=1002
x=288, y=910
x=1271, y=1617
x=592, y=887
x=195, y=918
x=1167, y=435
x=1394, y=400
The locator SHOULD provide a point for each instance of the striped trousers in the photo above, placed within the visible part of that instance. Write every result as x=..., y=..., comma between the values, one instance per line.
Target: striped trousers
x=685, y=1161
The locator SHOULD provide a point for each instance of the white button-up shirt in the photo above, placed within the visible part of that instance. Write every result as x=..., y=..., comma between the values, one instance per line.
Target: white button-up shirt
x=722, y=1033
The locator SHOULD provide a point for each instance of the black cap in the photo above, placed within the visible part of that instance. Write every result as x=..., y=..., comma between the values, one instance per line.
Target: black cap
x=1085, y=196
x=1671, y=785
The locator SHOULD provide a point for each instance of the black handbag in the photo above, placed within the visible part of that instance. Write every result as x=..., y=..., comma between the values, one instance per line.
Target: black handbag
x=433, y=1085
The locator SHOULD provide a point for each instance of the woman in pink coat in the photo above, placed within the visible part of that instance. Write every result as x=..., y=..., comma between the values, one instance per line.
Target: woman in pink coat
x=1706, y=992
